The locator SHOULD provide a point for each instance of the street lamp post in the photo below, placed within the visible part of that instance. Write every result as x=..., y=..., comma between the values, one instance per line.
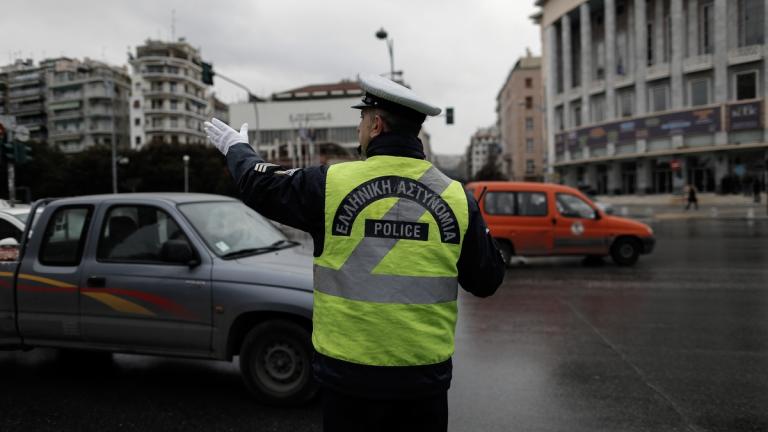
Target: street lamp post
x=185, y=158
x=382, y=34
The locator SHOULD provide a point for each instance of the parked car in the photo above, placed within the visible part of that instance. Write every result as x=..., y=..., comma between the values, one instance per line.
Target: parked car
x=544, y=219
x=187, y=275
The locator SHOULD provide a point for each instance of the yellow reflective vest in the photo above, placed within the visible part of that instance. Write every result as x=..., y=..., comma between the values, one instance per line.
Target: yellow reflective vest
x=386, y=282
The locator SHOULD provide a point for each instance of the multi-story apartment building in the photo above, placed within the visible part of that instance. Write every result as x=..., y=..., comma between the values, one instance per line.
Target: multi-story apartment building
x=645, y=96
x=168, y=97
x=24, y=94
x=87, y=104
x=308, y=125
x=484, y=146
x=521, y=120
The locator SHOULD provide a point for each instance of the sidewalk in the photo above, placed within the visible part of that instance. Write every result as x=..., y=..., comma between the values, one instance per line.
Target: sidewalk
x=668, y=206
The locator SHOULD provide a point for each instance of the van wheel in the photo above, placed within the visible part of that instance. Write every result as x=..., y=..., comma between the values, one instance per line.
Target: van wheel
x=275, y=362
x=507, y=252
x=625, y=251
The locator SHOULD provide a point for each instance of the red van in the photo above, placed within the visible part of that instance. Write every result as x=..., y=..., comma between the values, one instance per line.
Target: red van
x=545, y=219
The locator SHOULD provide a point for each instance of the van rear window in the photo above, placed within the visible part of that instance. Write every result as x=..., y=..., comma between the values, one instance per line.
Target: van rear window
x=516, y=203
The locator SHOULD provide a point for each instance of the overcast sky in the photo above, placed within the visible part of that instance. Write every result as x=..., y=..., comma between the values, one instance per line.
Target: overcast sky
x=453, y=52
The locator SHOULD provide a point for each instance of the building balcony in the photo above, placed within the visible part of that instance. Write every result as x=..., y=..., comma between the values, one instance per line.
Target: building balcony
x=697, y=63
x=26, y=108
x=64, y=115
x=746, y=54
x=70, y=96
x=624, y=80
x=657, y=71
x=16, y=94
x=597, y=86
x=98, y=93
x=66, y=134
x=166, y=76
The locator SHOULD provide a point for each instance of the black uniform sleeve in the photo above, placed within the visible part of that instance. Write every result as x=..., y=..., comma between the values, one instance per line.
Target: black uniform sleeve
x=294, y=197
x=481, y=267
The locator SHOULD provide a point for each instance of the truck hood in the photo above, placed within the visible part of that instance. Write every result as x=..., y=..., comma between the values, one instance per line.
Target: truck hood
x=640, y=228
x=289, y=268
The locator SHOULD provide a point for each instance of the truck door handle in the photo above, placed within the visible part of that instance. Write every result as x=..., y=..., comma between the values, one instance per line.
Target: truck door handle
x=96, y=282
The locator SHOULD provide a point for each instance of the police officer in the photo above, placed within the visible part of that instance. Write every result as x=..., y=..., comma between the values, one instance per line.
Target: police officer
x=393, y=238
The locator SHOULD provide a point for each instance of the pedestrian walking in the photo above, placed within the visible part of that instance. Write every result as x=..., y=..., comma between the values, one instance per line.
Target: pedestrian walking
x=393, y=239
x=692, y=197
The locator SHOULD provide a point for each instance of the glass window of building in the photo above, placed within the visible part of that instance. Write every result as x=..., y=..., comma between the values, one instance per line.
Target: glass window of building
x=649, y=42
x=529, y=145
x=528, y=102
x=529, y=123
x=529, y=83
x=529, y=166
x=625, y=103
x=706, y=28
x=576, y=114
x=699, y=92
x=751, y=26
x=659, y=97
x=746, y=85
x=598, y=108
x=559, y=120
x=173, y=87
x=174, y=104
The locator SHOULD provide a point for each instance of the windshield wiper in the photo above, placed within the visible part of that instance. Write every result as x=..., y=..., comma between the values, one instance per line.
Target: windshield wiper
x=280, y=244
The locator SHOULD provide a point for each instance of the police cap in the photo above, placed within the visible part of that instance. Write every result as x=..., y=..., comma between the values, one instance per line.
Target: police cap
x=390, y=96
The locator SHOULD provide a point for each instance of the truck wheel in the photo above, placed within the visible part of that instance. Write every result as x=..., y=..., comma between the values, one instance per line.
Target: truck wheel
x=625, y=251
x=506, y=251
x=275, y=362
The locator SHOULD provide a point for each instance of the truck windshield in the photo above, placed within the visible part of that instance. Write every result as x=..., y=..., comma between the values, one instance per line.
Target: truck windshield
x=229, y=227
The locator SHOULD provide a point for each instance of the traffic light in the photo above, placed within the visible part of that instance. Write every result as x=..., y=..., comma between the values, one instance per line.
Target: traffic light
x=8, y=149
x=23, y=153
x=449, y=115
x=208, y=73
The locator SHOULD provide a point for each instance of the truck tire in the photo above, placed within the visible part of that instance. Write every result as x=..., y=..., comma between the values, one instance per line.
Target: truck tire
x=625, y=251
x=276, y=363
x=507, y=251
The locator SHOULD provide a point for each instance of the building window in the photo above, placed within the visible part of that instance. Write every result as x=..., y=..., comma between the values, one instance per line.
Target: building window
x=173, y=87
x=137, y=121
x=174, y=104
x=667, y=38
x=746, y=85
x=528, y=102
x=699, y=92
x=576, y=114
x=706, y=28
x=750, y=22
x=529, y=166
x=529, y=145
x=529, y=123
x=138, y=140
x=625, y=103
x=649, y=42
x=157, y=104
x=174, y=122
x=559, y=119
x=157, y=86
x=136, y=104
x=659, y=97
x=598, y=108
x=529, y=83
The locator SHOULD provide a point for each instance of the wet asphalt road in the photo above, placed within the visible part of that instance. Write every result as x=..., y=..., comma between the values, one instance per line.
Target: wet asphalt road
x=677, y=343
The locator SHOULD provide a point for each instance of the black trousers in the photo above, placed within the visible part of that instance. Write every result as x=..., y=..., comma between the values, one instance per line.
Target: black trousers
x=346, y=413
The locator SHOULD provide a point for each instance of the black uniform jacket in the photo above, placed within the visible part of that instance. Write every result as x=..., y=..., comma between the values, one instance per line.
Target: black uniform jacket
x=297, y=198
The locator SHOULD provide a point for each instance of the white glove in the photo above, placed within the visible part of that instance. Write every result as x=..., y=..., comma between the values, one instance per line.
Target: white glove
x=223, y=136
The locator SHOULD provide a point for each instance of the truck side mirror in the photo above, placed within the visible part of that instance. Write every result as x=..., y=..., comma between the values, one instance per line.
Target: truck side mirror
x=179, y=252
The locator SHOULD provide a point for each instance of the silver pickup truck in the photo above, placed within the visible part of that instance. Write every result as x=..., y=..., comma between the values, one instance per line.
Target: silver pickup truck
x=187, y=275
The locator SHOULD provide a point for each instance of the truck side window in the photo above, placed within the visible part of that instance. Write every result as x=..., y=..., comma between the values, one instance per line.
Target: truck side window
x=136, y=234
x=64, y=237
x=500, y=203
x=531, y=204
x=572, y=206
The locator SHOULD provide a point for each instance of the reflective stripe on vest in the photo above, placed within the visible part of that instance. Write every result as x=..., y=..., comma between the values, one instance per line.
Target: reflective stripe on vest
x=372, y=304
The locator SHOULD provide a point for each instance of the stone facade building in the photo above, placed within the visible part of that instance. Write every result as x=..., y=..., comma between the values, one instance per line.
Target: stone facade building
x=646, y=96
x=521, y=121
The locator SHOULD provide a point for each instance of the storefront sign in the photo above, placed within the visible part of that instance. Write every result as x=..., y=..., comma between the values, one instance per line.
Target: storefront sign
x=698, y=121
x=745, y=116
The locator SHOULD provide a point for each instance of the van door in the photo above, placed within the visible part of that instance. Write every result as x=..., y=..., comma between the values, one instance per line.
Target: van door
x=577, y=227
x=520, y=217
x=132, y=296
x=47, y=287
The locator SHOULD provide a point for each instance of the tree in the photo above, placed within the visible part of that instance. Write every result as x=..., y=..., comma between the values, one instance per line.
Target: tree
x=490, y=171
